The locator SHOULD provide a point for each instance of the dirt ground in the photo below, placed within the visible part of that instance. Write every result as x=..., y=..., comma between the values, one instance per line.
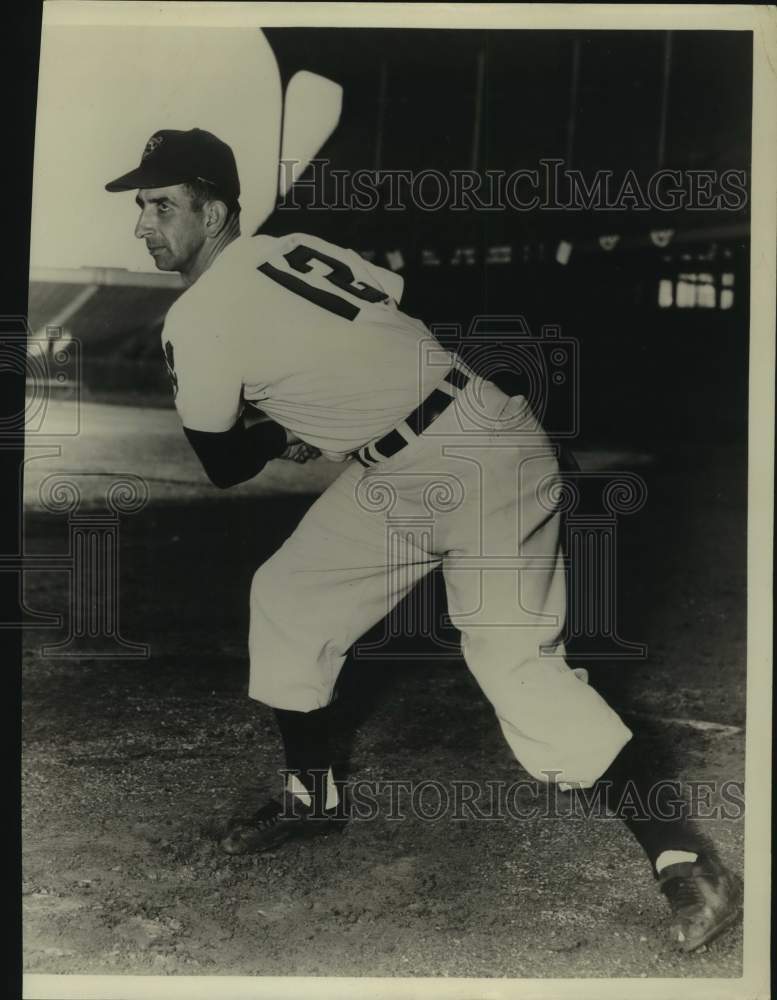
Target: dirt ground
x=132, y=766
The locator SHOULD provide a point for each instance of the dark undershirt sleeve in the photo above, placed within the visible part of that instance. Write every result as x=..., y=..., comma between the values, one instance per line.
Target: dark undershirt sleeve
x=236, y=455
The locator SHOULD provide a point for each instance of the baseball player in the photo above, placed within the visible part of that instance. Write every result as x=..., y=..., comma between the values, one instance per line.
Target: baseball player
x=312, y=335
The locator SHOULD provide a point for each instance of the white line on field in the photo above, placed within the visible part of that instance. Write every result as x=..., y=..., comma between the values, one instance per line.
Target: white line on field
x=708, y=727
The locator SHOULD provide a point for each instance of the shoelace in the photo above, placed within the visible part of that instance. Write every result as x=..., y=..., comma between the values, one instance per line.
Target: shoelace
x=684, y=893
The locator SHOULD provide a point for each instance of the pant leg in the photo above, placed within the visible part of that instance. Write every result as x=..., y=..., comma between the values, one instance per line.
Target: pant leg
x=505, y=579
x=331, y=581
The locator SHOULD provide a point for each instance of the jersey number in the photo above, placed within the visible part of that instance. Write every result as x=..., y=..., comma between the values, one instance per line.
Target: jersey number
x=340, y=275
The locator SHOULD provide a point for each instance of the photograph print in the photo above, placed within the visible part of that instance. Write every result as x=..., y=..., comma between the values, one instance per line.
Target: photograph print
x=389, y=466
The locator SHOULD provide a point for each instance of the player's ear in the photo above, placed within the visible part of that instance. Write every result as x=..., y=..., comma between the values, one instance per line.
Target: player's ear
x=216, y=215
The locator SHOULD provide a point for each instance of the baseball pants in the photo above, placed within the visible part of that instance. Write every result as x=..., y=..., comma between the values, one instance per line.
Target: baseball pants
x=477, y=494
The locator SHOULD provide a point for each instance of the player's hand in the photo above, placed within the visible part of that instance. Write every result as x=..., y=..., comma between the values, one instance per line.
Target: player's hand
x=298, y=451
x=301, y=452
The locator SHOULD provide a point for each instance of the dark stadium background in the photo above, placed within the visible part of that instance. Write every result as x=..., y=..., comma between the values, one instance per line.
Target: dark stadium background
x=454, y=100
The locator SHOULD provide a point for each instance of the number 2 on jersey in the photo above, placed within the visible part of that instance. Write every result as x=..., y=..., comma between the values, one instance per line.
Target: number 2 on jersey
x=340, y=275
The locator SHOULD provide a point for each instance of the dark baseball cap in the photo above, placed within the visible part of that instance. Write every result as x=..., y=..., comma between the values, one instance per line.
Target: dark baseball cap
x=174, y=157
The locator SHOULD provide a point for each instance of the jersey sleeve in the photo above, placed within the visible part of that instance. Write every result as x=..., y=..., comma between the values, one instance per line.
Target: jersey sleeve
x=206, y=382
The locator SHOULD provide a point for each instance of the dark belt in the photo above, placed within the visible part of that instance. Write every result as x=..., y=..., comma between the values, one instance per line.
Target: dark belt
x=416, y=422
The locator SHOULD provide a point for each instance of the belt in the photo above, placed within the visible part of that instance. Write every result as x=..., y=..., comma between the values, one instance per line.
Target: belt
x=416, y=422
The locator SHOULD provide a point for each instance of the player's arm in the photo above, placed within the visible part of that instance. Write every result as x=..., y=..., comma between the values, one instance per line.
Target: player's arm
x=238, y=454
x=208, y=396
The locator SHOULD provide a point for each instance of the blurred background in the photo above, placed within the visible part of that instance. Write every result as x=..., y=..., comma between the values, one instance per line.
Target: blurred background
x=656, y=300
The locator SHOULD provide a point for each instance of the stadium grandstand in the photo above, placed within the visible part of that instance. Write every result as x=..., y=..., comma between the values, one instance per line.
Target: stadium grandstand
x=654, y=296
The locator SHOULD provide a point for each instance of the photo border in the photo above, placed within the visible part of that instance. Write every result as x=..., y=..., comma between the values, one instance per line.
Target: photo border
x=763, y=24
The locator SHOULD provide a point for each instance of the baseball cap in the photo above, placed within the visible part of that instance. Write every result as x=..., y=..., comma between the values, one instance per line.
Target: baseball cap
x=175, y=157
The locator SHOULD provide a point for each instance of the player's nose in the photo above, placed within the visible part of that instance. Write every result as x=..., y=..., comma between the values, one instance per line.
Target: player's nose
x=142, y=227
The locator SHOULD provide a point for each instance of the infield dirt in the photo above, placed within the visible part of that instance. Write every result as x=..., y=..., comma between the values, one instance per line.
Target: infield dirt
x=131, y=768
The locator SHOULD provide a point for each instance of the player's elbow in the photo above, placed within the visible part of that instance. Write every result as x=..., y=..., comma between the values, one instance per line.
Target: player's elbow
x=229, y=457
x=222, y=471
x=225, y=475
x=223, y=480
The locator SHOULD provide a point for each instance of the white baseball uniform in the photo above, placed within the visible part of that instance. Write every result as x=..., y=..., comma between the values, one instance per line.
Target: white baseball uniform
x=312, y=334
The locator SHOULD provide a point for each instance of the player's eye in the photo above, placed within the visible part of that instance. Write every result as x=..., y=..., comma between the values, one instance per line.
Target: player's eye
x=163, y=207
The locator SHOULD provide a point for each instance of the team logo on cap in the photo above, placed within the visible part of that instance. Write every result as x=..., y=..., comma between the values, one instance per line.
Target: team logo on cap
x=151, y=145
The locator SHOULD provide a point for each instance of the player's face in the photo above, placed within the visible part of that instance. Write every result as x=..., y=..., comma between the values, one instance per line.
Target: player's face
x=174, y=232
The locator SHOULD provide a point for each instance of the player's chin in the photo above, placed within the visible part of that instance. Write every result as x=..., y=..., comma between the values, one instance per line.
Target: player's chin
x=164, y=263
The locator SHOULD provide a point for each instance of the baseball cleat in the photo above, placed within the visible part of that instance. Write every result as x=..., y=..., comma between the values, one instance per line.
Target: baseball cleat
x=275, y=823
x=704, y=899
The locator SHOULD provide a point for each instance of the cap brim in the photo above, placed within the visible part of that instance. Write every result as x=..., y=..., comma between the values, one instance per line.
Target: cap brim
x=143, y=177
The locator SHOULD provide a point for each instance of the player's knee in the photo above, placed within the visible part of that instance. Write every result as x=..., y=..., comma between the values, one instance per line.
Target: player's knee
x=280, y=684
x=264, y=686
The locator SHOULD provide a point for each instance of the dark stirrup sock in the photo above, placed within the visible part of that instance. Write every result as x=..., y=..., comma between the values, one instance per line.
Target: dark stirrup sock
x=650, y=808
x=306, y=742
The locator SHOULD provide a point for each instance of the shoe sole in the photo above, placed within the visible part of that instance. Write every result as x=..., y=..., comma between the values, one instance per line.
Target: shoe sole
x=713, y=932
